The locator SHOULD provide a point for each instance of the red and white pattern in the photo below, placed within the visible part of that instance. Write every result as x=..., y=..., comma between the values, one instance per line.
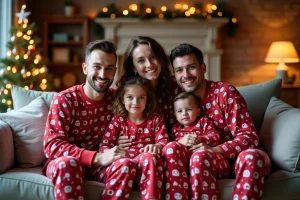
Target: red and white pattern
x=150, y=166
x=226, y=107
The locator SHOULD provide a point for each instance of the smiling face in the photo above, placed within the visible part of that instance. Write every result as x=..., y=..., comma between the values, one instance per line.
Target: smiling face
x=100, y=70
x=189, y=74
x=135, y=100
x=186, y=111
x=145, y=63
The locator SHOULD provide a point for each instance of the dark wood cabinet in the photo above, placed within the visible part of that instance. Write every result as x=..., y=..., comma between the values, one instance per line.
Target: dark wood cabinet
x=64, y=42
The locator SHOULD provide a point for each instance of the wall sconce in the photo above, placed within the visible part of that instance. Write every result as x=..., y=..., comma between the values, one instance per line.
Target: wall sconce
x=282, y=52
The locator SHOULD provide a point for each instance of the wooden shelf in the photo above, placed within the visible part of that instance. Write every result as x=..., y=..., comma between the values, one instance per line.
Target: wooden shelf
x=63, y=64
x=74, y=27
x=70, y=42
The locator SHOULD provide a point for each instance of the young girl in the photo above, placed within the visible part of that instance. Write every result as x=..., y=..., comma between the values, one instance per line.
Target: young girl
x=134, y=108
x=192, y=132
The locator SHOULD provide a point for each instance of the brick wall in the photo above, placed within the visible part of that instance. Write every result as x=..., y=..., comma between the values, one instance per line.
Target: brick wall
x=261, y=23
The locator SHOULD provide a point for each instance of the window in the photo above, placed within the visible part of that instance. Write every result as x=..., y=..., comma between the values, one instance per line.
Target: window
x=5, y=24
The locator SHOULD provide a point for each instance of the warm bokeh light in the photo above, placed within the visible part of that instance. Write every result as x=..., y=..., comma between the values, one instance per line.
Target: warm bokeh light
x=163, y=8
x=112, y=16
x=8, y=53
x=234, y=20
x=29, y=32
x=26, y=87
x=187, y=13
x=8, y=68
x=8, y=85
x=214, y=7
x=125, y=12
x=104, y=9
x=220, y=14
x=161, y=16
x=25, y=56
x=17, y=57
x=19, y=34
x=36, y=61
x=14, y=70
x=133, y=7
x=192, y=10
x=9, y=102
x=148, y=10
x=23, y=6
x=177, y=6
x=28, y=73
x=44, y=80
x=31, y=42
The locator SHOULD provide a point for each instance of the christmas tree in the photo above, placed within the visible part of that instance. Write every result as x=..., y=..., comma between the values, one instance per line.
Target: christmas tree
x=24, y=65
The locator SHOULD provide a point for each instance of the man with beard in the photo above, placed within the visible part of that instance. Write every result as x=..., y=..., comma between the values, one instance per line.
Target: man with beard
x=77, y=119
x=236, y=154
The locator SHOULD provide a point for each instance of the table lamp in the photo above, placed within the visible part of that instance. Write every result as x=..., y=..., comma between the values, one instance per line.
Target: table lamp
x=282, y=52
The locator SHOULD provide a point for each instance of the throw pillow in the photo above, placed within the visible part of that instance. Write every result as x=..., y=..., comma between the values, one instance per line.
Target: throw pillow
x=280, y=134
x=22, y=97
x=258, y=96
x=28, y=127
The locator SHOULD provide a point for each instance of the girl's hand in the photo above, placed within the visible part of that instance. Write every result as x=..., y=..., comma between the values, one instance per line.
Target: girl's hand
x=189, y=140
x=123, y=142
x=151, y=148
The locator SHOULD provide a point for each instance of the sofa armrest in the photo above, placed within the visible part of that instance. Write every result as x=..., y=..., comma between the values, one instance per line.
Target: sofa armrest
x=6, y=147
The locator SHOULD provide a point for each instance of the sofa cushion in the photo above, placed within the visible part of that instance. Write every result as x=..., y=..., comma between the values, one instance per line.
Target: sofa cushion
x=7, y=157
x=28, y=126
x=22, y=97
x=258, y=96
x=280, y=134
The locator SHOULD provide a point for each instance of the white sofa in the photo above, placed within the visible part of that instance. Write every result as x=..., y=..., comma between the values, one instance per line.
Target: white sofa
x=21, y=178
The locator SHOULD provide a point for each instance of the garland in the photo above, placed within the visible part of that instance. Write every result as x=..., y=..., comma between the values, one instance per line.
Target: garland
x=144, y=12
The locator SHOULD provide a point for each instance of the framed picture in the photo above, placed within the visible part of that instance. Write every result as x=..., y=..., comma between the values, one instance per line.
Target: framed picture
x=61, y=54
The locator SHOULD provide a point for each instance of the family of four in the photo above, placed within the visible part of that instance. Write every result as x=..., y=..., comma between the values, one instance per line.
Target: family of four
x=172, y=135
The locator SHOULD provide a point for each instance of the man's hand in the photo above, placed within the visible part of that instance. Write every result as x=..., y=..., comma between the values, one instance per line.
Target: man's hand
x=109, y=156
x=124, y=142
x=152, y=148
x=202, y=146
x=189, y=140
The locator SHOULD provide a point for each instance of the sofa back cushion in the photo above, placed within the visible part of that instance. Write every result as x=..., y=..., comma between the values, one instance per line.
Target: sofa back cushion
x=280, y=135
x=22, y=97
x=28, y=127
x=258, y=96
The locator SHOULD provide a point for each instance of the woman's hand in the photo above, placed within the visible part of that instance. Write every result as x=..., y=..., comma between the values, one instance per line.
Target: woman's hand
x=152, y=148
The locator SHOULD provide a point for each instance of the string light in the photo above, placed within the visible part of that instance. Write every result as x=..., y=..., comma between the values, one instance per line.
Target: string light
x=163, y=8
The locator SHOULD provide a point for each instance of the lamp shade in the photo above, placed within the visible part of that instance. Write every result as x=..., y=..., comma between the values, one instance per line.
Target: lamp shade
x=282, y=51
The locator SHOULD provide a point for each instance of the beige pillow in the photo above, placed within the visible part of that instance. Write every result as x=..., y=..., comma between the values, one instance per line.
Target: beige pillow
x=280, y=134
x=28, y=127
x=22, y=97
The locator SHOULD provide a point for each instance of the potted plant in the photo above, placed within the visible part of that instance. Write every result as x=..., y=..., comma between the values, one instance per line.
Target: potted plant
x=69, y=8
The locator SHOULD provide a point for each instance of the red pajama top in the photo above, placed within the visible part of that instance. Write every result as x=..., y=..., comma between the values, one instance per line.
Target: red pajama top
x=151, y=131
x=76, y=124
x=227, y=108
x=203, y=128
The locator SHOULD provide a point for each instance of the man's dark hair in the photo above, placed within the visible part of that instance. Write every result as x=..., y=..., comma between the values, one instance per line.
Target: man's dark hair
x=102, y=45
x=186, y=49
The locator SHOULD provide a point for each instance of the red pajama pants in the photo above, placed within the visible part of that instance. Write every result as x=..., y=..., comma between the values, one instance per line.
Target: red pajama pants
x=205, y=167
x=149, y=175
x=67, y=177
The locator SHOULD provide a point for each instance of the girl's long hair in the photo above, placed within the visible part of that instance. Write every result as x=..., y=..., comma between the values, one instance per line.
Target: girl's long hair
x=118, y=105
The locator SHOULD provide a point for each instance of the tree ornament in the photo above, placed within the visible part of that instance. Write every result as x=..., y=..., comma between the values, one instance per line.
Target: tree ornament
x=31, y=86
x=22, y=15
x=1, y=72
x=14, y=50
x=28, y=53
x=23, y=70
x=13, y=38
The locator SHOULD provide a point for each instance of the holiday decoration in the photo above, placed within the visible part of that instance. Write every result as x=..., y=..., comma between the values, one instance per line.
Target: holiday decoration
x=197, y=11
x=24, y=65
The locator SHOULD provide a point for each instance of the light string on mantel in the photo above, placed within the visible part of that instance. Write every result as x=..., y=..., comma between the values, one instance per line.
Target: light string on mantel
x=197, y=11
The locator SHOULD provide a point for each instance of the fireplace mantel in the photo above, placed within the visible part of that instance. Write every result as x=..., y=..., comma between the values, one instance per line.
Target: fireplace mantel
x=170, y=33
